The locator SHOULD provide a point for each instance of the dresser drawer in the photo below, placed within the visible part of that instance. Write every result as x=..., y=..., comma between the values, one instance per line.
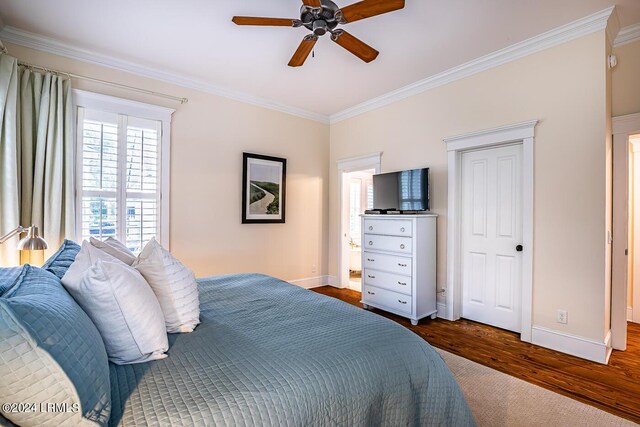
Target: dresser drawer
x=390, y=281
x=392, y=263
x=383, y=298
x=387, y=243
x=394, y=227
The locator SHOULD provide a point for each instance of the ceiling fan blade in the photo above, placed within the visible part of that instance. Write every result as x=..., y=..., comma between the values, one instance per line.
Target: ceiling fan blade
x=303, y=50
x=312, y=3
x=368, y=8
x=273, y=22
x=354, y=45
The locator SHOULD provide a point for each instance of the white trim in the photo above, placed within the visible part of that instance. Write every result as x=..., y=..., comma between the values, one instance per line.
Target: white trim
x=312, y=282
x=456, y=145
x=627, y=35
x=352, y=164
x=360, y=162
x=629, y=314
x=442, y=310
x=626, y=124
x=120, y=106
x=117, y=105
x=622, y=127
x=56, y=47
x=573, y=30
x=549, y=39
x=484, y=138
x=333, y=281
x=597, y=351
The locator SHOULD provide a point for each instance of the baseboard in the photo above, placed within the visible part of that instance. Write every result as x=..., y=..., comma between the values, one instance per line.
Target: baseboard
x=442, y=310
x=629, y=314
x=312, y=282
x=584, y=348
x=333, y=281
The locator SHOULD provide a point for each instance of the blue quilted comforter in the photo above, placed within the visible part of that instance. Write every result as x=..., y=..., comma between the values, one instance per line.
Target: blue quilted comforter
x=270, y=353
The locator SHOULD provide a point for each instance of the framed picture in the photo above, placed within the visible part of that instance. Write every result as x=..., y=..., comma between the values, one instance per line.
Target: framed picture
x=263, y=189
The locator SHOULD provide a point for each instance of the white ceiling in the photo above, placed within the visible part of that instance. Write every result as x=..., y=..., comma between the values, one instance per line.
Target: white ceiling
x=196, y=39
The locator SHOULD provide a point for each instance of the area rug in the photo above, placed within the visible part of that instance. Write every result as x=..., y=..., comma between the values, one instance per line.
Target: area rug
x=498, y=399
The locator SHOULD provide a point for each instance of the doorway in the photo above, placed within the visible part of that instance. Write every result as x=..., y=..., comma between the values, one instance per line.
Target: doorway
x=356, y=195
x=491, y=236
x=633, y=257
x=360, y=199
x=625, y=262
x=520, y=134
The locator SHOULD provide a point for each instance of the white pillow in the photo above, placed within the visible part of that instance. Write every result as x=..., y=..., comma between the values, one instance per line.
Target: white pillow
x=114, y=248
x=121, y=305
x=174, y=284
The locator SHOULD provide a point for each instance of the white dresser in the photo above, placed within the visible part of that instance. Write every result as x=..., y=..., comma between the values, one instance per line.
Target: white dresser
x=399, y=264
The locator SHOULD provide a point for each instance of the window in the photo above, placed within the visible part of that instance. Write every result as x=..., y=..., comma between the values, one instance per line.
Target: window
x=122, y=185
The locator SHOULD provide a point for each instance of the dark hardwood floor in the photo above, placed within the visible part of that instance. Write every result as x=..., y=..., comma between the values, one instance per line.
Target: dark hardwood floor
x=614, y=388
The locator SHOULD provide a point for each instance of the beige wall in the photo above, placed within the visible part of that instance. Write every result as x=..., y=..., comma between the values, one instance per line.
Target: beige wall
x=208, y=136
x=565, y=88
x=626, y=80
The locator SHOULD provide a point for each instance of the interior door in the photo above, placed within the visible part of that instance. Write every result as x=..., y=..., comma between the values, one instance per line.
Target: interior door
x=492, y=236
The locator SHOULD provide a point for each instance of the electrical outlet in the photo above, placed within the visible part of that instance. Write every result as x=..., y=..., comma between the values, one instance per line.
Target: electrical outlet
x=314, y=269
x=563, y=316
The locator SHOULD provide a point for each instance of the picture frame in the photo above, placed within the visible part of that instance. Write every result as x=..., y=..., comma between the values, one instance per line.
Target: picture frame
x=264, y=180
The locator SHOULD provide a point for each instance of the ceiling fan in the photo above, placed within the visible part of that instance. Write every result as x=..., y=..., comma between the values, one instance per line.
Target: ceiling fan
x=323, y=16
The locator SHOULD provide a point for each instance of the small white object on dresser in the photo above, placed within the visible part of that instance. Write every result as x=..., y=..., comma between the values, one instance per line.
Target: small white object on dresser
x=399, y=264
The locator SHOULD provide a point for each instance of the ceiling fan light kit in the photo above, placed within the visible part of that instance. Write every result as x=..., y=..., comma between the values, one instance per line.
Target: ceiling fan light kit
x=323, y=16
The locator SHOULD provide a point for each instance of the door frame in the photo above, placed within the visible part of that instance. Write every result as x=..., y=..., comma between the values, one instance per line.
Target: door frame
x=623, y=127
x=351, y=164
x=505, y=135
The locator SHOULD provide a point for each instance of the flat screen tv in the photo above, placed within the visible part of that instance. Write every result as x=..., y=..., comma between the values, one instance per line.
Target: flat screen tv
x=404, y=190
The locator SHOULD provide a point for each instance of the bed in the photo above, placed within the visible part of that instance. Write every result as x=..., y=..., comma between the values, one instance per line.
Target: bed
x=270, y=353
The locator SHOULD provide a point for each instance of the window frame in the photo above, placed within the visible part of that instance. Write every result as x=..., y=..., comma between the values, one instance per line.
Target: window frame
x=135, y=109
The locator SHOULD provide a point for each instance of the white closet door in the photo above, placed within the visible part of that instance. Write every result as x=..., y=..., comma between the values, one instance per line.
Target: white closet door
x=491, y=233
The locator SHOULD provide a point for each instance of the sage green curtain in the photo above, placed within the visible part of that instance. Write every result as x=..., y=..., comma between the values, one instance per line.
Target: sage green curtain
x=9, y=159
x=40, y=167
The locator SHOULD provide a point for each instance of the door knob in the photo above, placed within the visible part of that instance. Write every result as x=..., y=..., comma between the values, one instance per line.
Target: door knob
x=519, y=248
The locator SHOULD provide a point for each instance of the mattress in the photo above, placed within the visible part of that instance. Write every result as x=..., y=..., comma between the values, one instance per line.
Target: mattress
x=271, y=353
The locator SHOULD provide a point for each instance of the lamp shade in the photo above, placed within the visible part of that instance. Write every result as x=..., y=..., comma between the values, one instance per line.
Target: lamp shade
x=32, y=241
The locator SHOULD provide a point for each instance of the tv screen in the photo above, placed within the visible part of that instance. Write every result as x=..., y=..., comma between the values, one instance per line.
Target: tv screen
x=404, y=190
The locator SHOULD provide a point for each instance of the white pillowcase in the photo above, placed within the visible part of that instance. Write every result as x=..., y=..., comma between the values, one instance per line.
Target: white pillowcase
x=121, y=305
x=174, y=284
x=114, y=248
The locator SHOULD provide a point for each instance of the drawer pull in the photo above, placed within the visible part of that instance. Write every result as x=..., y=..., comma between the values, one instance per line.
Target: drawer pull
x=401, y=246
x=402, y=230
x=371, y=293
x=370, y=242
x=402, y=302
x=402, y=283
x=371, y=228
x=370, y=276
x=402, y=265
x=370, y=259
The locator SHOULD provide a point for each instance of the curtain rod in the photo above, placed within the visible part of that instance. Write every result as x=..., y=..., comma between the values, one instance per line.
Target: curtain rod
x=182, y=100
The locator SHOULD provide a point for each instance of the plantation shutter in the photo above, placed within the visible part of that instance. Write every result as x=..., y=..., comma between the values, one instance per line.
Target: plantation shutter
x=120, y=163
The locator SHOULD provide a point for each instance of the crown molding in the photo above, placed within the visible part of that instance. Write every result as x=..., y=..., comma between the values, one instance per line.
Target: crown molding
x=576, y=29
x=50, y=45
x=627, y=35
